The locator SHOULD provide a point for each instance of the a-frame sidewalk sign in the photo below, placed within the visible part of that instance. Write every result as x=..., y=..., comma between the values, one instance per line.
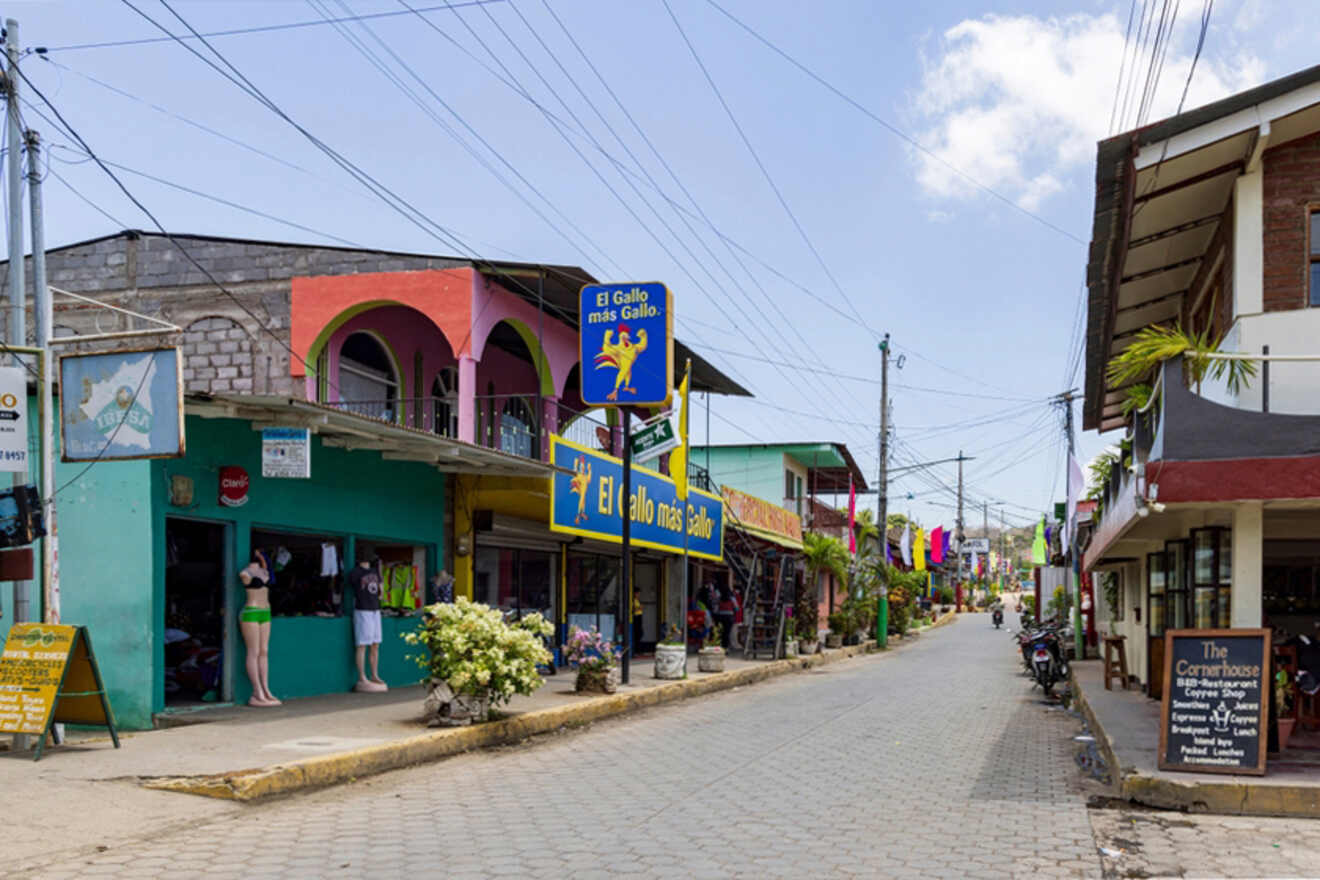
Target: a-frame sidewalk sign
x=48, y=675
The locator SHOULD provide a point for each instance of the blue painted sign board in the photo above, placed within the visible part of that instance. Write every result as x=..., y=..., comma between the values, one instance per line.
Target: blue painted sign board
x=586, y=498
x=626, y=344
x=121, y=405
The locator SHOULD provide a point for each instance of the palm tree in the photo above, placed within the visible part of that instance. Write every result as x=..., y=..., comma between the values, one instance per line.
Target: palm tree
x=822, y=554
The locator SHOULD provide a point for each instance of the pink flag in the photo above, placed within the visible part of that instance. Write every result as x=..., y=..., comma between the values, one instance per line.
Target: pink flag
x=852, y=516
x=937, y=545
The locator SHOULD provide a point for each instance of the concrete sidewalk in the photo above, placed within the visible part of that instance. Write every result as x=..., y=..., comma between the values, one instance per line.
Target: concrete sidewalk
x=1126, y=724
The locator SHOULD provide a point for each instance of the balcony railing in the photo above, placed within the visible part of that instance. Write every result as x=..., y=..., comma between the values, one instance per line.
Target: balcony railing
x=507, y=422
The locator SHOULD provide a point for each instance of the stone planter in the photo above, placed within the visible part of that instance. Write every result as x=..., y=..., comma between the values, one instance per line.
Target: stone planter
x=444, y=708
x=594, y=680
x=808, y=646
x=669, y=660
x=710, y=660
x=833, y=640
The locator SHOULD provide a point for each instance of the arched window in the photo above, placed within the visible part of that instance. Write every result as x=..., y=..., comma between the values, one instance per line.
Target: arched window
x=444, y=400
x=368, y=384
x=517, y=427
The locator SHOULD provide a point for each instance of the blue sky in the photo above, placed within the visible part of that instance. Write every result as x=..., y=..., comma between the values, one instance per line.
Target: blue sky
x=980, y=297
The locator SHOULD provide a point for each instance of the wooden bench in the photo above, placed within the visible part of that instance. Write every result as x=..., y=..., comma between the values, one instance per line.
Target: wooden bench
x=1114, y=645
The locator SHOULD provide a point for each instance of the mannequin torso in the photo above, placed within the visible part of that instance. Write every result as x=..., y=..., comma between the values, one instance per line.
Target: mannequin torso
x=256, y=581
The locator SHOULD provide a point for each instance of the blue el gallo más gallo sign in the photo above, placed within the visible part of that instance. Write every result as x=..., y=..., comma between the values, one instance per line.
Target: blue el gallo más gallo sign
x=626, y=340
x=586, y=498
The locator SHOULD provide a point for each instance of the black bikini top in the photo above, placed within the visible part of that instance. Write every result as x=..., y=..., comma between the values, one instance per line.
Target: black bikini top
x=256, y=582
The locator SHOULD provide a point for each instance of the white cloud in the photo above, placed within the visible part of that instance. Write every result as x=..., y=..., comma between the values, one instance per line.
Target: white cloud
x=1018, y=103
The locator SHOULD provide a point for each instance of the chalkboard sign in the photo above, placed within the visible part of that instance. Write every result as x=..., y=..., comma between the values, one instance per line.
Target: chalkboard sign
x=1215, y=708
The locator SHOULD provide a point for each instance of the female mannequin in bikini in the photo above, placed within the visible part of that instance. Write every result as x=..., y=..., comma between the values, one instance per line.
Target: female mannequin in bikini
x=254, y=622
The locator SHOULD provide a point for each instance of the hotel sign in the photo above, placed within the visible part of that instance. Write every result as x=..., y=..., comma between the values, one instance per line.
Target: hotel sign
x=586, y=499
x=760, y=514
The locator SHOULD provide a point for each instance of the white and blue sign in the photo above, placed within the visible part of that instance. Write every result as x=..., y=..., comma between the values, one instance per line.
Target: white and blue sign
x=586, y=498
x=626, y=344
x=121, y=405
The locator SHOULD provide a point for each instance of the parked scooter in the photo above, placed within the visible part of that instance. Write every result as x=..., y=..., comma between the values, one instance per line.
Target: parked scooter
x=1048, y=666
x=998, y=617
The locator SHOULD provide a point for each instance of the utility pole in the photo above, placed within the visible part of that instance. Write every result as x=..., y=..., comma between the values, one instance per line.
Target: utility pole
x=882, y=499
x=1074, y=558
x=985, y=528
x=17, y=285
x=958, y=532
x=1003, y=559
x=42, y=318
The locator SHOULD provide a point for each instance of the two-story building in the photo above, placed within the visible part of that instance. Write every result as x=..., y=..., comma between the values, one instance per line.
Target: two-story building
x=1210, y=221
x=797, y=476
x=429, y=385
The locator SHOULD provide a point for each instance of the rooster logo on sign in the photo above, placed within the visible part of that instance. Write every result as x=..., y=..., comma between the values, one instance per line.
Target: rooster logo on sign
x=579, y=485
x=621, y=356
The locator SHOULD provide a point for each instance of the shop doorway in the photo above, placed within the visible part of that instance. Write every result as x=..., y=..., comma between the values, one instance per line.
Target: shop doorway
x=646, y=585
x=197, y=571
x=516, y=581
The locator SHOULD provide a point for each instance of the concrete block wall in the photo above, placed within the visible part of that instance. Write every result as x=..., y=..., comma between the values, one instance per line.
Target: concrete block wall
x=235, y=343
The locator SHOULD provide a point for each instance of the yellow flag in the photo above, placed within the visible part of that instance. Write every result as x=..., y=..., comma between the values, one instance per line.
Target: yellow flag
x=678, y=470
x=919, y=551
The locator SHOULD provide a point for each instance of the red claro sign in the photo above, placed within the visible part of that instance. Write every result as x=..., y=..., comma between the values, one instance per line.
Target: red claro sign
x=233, y=486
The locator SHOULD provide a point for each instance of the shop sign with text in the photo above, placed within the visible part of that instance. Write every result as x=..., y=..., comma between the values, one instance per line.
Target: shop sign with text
x=761, y=514
x=586, y=498
x=626, y=343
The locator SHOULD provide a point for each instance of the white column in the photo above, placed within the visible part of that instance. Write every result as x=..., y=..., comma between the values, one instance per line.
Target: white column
x=1249, y=244
x=1248, y=563
x=467, y=400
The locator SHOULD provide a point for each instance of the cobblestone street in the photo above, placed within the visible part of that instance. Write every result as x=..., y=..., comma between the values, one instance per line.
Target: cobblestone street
x=936, y=761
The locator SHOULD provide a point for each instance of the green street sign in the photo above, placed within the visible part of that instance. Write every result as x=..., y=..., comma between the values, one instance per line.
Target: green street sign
x=654, y=440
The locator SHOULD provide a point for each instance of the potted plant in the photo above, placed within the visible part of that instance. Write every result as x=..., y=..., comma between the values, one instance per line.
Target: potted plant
x=711, y=656
x=840, y=625
x=670, y=654
x=594, y=657
x=1283, y=706
x=790, y=639
x=808, y=638
x=473, y=659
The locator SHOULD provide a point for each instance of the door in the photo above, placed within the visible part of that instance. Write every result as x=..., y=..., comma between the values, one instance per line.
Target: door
x=196, y=626
x=1156, y=583
x=646, y=583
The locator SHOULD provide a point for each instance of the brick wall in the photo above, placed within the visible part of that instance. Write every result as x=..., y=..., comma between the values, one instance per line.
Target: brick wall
x=1292, y=182
x=227, y=346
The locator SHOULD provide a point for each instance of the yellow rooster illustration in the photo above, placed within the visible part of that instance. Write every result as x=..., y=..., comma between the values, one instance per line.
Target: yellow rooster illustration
x=579, y=485
x=621, y=356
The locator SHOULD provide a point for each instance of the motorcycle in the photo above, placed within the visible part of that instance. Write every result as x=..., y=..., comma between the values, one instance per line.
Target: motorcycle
x=998, y=617
x=1048, y=665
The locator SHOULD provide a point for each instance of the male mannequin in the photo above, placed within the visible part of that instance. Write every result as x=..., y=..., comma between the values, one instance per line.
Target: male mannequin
x=366, y=584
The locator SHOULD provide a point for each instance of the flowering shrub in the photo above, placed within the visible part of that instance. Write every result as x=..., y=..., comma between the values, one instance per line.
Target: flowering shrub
x=470, y=648
x=588, y=650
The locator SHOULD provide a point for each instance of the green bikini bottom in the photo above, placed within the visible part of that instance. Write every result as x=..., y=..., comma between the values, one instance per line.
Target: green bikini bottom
x=252, y=614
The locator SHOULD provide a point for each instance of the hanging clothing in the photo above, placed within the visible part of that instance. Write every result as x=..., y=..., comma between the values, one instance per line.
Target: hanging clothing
x=400, y=586
x=329, y=560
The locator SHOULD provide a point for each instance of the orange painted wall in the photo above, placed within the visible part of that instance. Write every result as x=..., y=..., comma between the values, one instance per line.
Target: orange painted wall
x=443, y=295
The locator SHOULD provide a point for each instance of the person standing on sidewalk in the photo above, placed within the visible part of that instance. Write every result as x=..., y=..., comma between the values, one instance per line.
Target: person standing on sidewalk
x=366, y=583
x=725, y=612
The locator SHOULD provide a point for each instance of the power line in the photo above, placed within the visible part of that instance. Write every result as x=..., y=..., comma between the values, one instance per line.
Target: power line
x=820, y=260
x=891, y=127
x=143, y=41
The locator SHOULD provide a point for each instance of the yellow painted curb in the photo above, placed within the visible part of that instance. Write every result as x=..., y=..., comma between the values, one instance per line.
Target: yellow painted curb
x=323, y=770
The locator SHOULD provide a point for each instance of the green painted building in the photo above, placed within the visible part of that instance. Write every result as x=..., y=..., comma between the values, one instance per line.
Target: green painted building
x=790, y=474
x=149, y=553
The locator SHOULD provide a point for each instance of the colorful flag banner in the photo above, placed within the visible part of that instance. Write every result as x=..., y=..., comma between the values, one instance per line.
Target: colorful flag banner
x=919, y=551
